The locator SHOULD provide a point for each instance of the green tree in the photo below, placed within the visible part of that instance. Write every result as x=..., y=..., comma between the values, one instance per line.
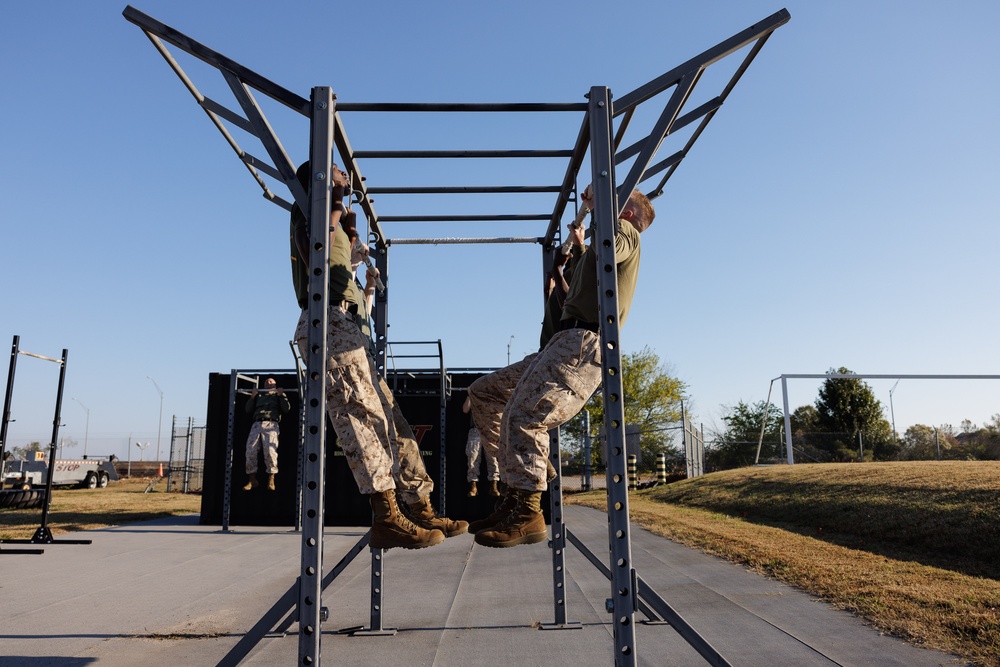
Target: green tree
x=979, y=444
x=27, y=452
x=921, y=443
x=848, y=410
x=736, y=445
x=652, y=402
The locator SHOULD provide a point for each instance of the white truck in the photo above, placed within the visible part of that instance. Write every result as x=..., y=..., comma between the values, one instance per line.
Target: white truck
x=84, y=473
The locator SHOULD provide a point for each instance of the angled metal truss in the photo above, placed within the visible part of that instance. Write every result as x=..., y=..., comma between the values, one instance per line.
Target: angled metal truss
x=599, y=137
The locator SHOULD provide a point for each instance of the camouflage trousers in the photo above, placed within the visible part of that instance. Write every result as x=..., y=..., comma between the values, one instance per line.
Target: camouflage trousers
x=475, y=453
x=353, y=403
x=553, y=389
x=488, y=396
x=408, y=469
x=263, y=433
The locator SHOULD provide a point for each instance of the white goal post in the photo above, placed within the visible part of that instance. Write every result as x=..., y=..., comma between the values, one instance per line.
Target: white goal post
x=841, y=376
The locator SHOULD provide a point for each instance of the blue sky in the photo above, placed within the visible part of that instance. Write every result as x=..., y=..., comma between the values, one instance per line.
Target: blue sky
x=840, y=210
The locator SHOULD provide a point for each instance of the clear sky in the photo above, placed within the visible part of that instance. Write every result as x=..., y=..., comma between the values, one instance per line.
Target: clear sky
x=840, y=210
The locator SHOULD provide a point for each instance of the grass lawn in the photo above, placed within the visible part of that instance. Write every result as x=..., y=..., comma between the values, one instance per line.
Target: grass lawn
x=124, y=501
x=912, y=547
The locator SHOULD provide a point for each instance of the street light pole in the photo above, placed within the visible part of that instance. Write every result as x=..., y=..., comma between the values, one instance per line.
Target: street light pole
x=159, y=423
x=892, y=412
x=86, y=429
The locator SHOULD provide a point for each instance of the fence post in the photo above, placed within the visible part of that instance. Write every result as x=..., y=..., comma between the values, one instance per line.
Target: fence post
x=633, y=472
x=661, y=468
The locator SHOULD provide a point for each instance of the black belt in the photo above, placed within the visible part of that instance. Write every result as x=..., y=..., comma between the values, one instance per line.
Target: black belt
x=349, y=306
x=565, y=325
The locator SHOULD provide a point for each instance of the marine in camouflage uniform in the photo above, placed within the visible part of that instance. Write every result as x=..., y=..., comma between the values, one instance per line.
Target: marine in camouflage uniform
x=354, y=405
x=559, y=381
x=267, y=410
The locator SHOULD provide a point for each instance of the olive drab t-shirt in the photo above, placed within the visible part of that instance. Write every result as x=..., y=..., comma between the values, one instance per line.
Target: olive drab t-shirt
x=356, y=295
x=341, y=275
x=581, y=302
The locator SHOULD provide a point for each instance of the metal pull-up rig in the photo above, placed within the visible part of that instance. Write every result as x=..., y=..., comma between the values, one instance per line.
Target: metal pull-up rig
x=597, y=136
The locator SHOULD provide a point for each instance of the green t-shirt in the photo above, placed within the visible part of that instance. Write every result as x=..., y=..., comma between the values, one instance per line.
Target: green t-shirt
x=581, y=302
x=356, y=295
x=341, y=275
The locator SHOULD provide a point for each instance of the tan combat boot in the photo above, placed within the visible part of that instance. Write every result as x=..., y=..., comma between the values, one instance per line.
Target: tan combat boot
x=500, y=511
x=390, y=528
x=473, y=490
x=251, y=483
x=422, y=513
x=493, y=490
x=270, y=481
x=524, y=525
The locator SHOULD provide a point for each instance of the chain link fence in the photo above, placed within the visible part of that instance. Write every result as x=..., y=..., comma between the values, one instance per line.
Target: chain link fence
x=186, y=469
x=649, y=463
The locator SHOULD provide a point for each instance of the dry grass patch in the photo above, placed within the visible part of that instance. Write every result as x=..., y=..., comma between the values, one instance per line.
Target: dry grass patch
x=88, y=509
x=770, y=520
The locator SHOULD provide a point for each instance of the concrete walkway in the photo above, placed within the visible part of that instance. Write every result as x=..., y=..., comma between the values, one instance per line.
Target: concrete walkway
x=173, y=592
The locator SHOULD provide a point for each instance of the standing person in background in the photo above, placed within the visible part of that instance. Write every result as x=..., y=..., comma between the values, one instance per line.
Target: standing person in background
x=267, y=410
x=475, y=454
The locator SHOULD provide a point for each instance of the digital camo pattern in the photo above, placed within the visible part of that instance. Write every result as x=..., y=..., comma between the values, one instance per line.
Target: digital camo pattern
x=553, y=389
x=263, y=433
x=475, y=454
x=352, y=402
x=488, y=396
x=411, y=476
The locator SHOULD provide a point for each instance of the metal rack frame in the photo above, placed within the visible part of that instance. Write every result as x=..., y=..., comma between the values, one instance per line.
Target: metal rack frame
x=597, y=136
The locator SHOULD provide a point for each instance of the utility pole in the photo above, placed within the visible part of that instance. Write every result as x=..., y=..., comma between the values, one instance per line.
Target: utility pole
x=159, y=422
x=86, y=429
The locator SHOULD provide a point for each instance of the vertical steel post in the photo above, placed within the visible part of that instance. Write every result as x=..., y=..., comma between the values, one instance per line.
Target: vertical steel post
x=227, y=486
x=623, y=602
x=310, y=581
x=788, y=419
x=686, y=441
x=587, y=454
x=6, y=406
x=380, y=317
x=43, y=534
x=558, y=542
x=188, y=447
x=170, y=454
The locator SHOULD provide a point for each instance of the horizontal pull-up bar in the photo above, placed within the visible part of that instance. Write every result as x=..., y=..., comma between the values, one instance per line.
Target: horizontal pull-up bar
x=457, y=241
x=449, y=106
x=465, y=154
x=38, y=356
x=465, y=189
x=264, y=390
x=511, y=217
